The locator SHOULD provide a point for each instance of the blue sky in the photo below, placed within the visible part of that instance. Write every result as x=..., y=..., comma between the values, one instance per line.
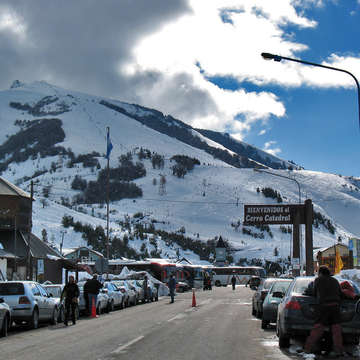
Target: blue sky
x=321, y=128
x=199, y=60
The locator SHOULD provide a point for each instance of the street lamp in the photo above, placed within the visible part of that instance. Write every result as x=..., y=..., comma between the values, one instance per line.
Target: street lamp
x=278, y=58
x=282, y=176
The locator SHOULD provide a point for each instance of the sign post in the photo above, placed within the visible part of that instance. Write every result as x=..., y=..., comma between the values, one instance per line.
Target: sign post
x=287, y=214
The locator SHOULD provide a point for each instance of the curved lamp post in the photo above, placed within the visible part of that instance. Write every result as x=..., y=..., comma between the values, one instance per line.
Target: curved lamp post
x=278, y=58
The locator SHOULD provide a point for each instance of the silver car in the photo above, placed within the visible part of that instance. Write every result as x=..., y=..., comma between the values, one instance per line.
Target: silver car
x=128, y=291
x=102, y=303
x=116, y=297
x=5, y=318
x=29, y=302
x=55, y=290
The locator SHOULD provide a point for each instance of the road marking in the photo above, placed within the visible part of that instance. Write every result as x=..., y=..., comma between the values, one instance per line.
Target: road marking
x=205, y=302
x=123, y=347
x=177, y=317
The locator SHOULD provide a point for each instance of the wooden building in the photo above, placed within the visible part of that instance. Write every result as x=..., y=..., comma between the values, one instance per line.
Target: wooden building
x=27, y=257
x=326, y=256
x=82, y=254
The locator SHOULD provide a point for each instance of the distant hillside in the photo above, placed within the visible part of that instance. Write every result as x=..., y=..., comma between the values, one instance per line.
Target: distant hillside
x=247, y=151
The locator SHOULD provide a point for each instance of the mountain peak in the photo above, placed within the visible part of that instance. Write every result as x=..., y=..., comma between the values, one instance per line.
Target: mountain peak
x=16, y=84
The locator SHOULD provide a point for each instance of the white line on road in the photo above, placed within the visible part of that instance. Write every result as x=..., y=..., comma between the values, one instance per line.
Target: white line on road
x=177, y=317
x=123, y=347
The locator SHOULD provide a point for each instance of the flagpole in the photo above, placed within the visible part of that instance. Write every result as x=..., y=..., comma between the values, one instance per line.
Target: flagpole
x=107, y=195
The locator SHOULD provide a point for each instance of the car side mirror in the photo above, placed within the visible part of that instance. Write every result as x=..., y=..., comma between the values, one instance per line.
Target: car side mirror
x=51, y=295
x=1, y=300
x=278, y=294
x=104, y=291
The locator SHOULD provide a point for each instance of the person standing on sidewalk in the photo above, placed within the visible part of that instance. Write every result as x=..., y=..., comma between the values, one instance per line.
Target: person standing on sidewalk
x=93, y=287
x=233, y=281
x=172, y=287
x=328, y=292
x=71, y=294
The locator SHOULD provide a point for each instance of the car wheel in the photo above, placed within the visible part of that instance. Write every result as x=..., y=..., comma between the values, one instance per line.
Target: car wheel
x=112, y=306
x=217, y=283
x=5, y=326
x=98, y=311
x=284, y=341
x=264, y=324
x=34, y=322
x=253, y=312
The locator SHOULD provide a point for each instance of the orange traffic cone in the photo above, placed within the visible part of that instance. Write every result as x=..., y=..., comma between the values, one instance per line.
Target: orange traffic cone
x=93, y=309
x=193, y=299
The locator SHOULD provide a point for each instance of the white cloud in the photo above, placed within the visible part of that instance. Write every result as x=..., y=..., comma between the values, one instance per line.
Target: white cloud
x=269, y=147
x=230, y=49
x=162, y=54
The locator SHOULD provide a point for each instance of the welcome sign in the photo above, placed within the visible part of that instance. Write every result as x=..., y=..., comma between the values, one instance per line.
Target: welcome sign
x=273, y=214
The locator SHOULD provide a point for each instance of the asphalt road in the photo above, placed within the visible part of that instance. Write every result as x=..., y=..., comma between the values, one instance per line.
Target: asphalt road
x=220, y=327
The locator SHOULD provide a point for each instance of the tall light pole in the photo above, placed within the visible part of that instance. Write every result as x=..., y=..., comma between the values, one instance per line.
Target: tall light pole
x=296, y=226
x=278, y=58
x=282, y=176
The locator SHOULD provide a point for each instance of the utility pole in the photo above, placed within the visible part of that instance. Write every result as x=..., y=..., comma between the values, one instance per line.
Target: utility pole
x=63, y=232
x=107, y=196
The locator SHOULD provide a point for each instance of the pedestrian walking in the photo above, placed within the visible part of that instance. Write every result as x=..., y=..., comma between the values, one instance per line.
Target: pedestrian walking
x=233, y=282
x=172, y=286
x=328, y=292
x=71, y=294
x=93, y=287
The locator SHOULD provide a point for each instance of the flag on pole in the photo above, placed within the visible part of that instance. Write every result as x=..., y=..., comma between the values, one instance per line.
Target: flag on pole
x=338, y=262
x=109, y=145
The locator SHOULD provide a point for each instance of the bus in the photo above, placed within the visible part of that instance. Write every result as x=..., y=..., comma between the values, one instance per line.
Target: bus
x=221, y=276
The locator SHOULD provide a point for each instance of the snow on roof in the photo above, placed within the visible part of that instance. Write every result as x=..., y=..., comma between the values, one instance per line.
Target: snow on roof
x=7, y=188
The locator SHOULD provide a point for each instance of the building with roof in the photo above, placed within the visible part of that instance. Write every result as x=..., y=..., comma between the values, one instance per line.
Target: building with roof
x=23, y=255
x=82, y=254
x=326, y=256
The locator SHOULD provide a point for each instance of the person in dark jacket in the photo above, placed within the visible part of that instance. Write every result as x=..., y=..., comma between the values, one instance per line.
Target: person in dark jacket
x=71, y=294
x=172, y=287
x=92, y=288
x=145, y=288
x=233, y=282
x=328, y=292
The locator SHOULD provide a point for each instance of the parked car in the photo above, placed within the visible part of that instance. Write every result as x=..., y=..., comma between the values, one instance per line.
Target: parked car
x=182, y=286
x=55, y=291
x=5, y=317
x=102, y=303
x=29, y=302
x=139, y=290
x=254, y=282
x=259, y=296
x=154, y=291
x=128, y=291
x=116, y=297
x=296, y=314
x=273, y=298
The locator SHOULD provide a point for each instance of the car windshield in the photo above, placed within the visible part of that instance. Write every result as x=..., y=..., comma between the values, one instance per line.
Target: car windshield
x=11, y=289
x=268, y=283
x=54, y=290
x=301, y=285
x=280, y=286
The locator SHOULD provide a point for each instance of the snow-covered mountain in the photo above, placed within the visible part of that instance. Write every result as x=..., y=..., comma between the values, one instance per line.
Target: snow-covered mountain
x=52, y=136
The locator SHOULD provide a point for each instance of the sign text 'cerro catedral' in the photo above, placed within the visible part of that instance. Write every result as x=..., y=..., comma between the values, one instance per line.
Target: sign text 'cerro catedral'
x=273, y=214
